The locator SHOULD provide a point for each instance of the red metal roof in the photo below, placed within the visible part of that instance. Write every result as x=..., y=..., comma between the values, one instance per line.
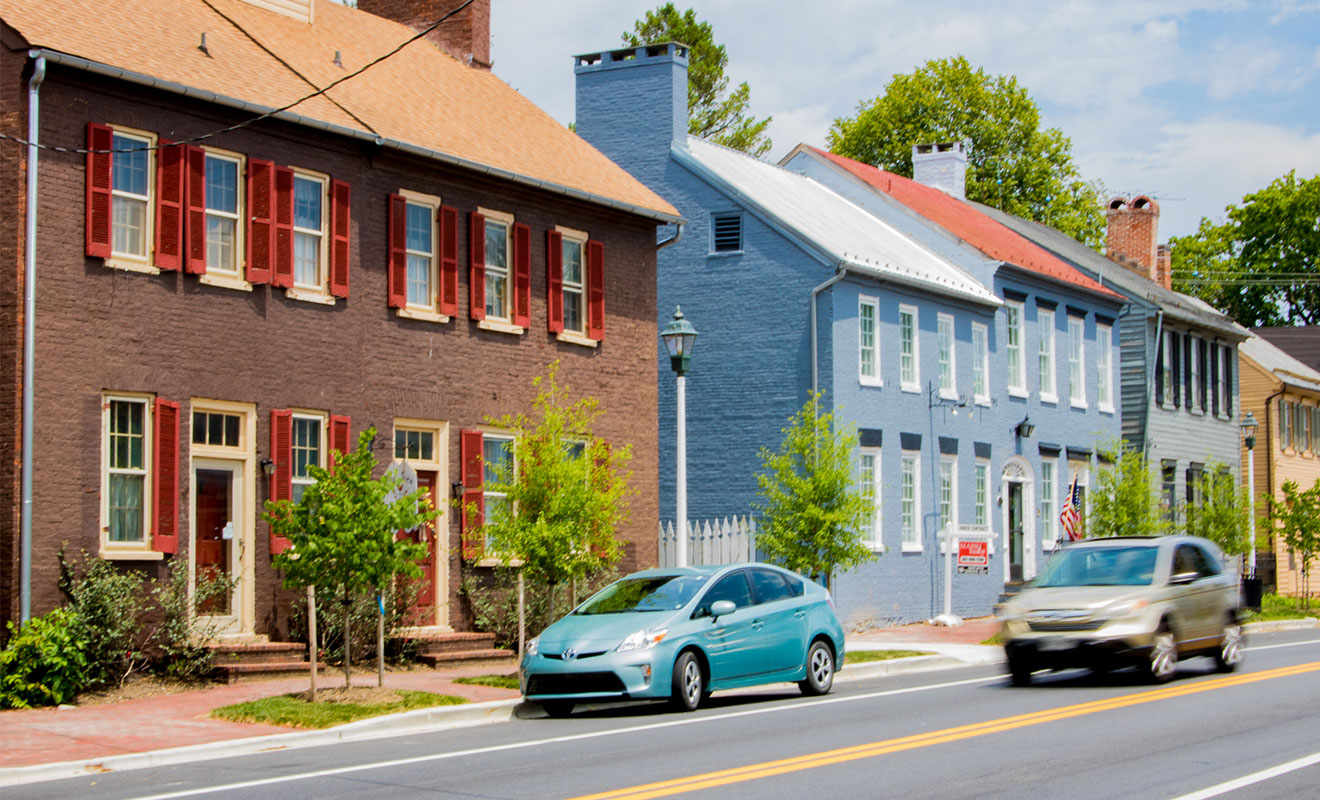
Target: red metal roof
x=967, y=223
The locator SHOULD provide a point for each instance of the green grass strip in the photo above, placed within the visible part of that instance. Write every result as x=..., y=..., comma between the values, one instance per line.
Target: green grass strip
x=497, y=681
x=1277, y=607
x=865, y=656
x=292, y=711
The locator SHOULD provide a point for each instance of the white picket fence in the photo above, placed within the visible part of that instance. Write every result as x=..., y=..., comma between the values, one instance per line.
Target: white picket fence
x=718, y=541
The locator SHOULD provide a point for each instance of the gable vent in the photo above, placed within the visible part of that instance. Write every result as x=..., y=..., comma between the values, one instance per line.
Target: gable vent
x=728, y=233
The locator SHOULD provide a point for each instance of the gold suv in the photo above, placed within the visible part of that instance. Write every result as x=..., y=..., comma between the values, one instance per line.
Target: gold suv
x=1140, y=601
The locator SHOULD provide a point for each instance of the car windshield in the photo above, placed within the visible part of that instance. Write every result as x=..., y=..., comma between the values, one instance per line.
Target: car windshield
x=1100, y=566
x=655, y=593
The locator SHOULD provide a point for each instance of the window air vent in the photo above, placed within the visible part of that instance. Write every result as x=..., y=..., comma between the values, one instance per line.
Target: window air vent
x=728, y=233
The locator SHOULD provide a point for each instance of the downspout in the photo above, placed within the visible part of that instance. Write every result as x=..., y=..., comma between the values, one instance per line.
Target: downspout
x=678, y=234
x=1150, y=378
x=838, y=276
x=1269, y=444
x=29, y=336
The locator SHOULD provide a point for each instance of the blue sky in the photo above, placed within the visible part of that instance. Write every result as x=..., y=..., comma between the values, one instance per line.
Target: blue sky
x=1196, y=103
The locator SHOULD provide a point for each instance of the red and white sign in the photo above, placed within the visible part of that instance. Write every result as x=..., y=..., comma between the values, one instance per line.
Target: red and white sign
x=973, y=553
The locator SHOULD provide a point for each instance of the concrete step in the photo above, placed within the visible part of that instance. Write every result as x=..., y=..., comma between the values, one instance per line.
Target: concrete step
x=231, y=653
x=436, y=643
x=469, y=658
x=256, y=670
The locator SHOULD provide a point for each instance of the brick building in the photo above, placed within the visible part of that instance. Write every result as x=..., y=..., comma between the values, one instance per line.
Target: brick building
x=237, y=279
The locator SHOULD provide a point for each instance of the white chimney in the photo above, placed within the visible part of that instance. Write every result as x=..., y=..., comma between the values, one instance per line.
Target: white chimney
x=942, y=166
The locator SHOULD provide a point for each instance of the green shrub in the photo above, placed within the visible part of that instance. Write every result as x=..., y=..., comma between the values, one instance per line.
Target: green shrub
x=109, y=605
x=180, y=649
x=45, y=663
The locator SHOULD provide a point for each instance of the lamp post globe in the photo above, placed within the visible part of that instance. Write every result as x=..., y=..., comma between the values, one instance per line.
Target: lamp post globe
x=679, y=337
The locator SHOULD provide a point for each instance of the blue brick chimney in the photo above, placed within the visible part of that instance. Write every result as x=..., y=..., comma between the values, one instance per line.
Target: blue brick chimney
x=632, y=105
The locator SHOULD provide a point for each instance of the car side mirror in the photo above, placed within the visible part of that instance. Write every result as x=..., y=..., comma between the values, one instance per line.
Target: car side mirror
x=720, y=608
x=1183, y=578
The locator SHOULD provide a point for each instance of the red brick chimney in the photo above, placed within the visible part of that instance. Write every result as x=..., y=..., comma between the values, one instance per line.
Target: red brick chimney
x=465, y=36
x=1133, y=238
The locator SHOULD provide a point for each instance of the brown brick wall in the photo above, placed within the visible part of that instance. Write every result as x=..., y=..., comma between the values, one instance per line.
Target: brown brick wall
x=467, y=32
x=103, y=329
x=13, y=121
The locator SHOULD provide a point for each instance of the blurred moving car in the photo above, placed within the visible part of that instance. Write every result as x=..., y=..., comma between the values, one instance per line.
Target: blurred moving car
x=1141, y=601
x=683, y=633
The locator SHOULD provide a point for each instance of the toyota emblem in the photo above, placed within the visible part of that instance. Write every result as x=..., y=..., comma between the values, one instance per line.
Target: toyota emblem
x=570, y=654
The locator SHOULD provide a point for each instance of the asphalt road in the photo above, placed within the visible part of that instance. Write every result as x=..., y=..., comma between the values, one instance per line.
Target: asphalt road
x=949, y=734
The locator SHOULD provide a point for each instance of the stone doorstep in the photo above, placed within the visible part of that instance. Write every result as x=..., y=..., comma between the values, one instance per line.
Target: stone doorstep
x=263, y=652
x=262, y=671
x=469, y=658
x=452, y=642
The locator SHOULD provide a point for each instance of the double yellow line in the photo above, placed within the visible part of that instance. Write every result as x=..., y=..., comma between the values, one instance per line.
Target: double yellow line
x=767, y=769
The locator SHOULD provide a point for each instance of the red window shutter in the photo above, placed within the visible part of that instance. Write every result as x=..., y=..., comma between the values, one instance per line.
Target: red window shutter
x=99, y=184
x=341, y=228
x=474, y=471
x=260, y=232
x=554, y=280
x=522, y=275
x=477, y=261
x=596, y=290
x=165, y=478
x=397, y=239
x=281, y=268
x=449, y=261
x=340, y=436
x=281, y=481
x=169, y=206
x=195, y=197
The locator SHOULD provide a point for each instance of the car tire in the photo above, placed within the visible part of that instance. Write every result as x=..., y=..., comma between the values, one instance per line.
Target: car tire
x=820, y=670
x=1162, y=660
x=689, y=684
x=557, y=709
x=1229, y=653
x=1019, y=670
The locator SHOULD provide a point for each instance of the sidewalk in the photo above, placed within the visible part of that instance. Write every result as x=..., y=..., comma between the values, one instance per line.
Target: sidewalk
x=962, y=642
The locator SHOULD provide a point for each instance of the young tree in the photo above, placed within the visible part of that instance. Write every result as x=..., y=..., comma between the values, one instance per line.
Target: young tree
x=811, y=507
x=344, y=530
x=566, y=491
x=1014, y=164
x=1223, y=515
x=1297, y=521
x=1259, y=265
x=712, y=114
x=1124, y=499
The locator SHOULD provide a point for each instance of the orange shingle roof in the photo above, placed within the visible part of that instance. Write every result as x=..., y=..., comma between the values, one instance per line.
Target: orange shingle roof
x=421, y=96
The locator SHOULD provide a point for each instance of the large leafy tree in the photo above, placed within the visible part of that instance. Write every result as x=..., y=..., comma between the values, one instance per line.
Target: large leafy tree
x=714, y=113
x=1014, y=164
x=1223, y=515
x=812, y=511
x=1260, y=264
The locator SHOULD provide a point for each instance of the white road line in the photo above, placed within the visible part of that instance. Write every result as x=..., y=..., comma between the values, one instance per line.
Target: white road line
x=1255, y=777
x=559, y=739
x=1254, y=648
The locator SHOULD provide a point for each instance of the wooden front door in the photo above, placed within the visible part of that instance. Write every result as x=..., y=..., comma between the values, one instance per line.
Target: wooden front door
x=215, y=511
x=425, y=609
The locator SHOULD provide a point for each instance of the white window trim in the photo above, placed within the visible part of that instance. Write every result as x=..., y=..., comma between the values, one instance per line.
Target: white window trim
x=915, y=384
x=1104, y=342
x=912, y=457
x=951, y=523
x=1221, y=386
x=1051, y=528
x=500, y=322
x=576, y=336
x=1169, y=376
x=876, y=540
x=491, y=559
x=869, y=301
x=128, y=551
x=1017, y=383
x=231, y=279
x=981, y=476
x=1045, y=335
x=1078, y=400
x=982, y=359
x=127, y=261
x=305, y=291
x=427, y=312
x=439, y=454
x=951, y=393
x=1193, y=404
x=322, y=451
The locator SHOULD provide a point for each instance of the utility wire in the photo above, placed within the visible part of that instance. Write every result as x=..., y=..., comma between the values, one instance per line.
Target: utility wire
x=253, y=120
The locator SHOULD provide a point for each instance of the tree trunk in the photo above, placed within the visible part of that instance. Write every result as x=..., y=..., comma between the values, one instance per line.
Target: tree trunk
x=380, y=639
x=311, y=635
x=348, y=667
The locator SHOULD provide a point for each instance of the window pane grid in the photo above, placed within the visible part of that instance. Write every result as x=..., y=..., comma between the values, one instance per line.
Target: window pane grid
x=1013, y=345
x=1046, y=338
x=497, y=269
x=981, y=514
x=1076, y=380
x=909, y=499
x=308, y=226
x=127, y=470
x=946, y=495
x=1047, y=515
x=946, y=354
x=420, y=254
x=907, y=347
x=866, y=337
x=980, y=362
x=574, y=319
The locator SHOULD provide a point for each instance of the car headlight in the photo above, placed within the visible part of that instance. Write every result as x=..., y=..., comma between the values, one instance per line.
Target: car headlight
x=532, y=646
x=641, y=640
x=1126, y=608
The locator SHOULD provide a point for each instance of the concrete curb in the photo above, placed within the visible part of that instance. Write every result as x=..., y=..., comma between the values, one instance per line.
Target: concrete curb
x=1281, y=625
x=898, y=666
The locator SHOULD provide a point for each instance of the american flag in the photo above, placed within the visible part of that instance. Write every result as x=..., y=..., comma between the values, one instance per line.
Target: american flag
x=1071, y=515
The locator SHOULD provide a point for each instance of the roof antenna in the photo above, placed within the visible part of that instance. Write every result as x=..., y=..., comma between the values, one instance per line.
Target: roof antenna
x=339, y=61
x=202, y=46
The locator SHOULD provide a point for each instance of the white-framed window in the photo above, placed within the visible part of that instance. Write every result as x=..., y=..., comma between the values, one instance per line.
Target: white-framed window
x=980, y=363
x=308, y=439
x=125, y=488
x=1222, y=385
x=910, y=505
x=948, y=366
x=497, y=456
x=1076, y=357
x=309, y=231
x=1169, y=376
x=1045, y=336
x=1285, y=424
x=214, y=428
x=224, y=213
x=909, y=376
x=1195, y=401
x=948, y=493
x=422, y=236
x=1303, y=428
x=1049, y=511
x=868, y=351
x=499, y=259
x=981, y=509
x=133, y=186
x=1104, y=368
x=1017, y=373
x=868, y=480
x=573, y=247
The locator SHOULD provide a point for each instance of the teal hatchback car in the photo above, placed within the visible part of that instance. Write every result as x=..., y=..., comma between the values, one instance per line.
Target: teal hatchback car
x=682, y=633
